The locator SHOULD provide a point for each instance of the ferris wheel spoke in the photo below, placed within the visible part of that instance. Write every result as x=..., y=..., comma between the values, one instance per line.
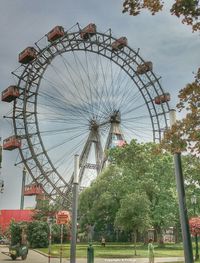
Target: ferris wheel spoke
x=90, y=84
x=134, y=109
x=58, y=101
x=60, y=131
x=89, y=98
x=56, y=106
x=84, y=108
x=98, y=87
x=139, y=133
x=122, y=86
x=75, y=136
x=129, y=96
x=76, y=72
x=133, y=118
x=130, y=99
x=97, y=91
x=105, y=85
x=75, y=99
x=67, y=161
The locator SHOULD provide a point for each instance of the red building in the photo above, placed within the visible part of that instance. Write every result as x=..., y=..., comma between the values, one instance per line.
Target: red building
x=6, y=216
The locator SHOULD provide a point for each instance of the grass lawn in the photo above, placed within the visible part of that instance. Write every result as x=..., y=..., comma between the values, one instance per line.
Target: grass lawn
x=116, y=250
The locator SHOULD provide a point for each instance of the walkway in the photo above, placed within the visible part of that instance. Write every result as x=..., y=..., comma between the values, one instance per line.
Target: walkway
x=34, y=257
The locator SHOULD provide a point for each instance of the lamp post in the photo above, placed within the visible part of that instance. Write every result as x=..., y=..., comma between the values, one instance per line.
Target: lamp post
x=187, y=245
x=22, y=189
x=194, y=202
x=74, y=210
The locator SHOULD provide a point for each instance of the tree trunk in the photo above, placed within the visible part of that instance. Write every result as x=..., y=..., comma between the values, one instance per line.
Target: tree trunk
x=159, y=236
x=135, y=242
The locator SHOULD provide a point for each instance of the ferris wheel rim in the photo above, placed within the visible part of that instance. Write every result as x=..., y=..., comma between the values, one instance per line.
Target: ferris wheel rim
x=87, y=45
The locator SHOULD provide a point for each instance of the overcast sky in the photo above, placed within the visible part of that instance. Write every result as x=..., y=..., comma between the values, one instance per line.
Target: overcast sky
x=163, y=39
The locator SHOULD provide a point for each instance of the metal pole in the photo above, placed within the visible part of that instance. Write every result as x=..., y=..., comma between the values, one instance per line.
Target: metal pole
x=183, y=209
x=197, y=248
x=22, y=190
x=194, y=201
x=74, y=210
x=61, y=242
x=187, y=245
x=49, y=250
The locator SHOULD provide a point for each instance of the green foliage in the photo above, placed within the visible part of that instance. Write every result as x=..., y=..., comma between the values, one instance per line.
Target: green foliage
x=15, y=232
x=99, y=203
x=37, y=234
x=56, y=233
x=140, y=172
x=44, y=209
x=132, y=216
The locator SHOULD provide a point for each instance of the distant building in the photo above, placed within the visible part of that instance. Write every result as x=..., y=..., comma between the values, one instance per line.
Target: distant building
x=169, y=236
x=6, y=216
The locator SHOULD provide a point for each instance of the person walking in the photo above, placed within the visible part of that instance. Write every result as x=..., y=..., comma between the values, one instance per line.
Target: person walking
x=103, y=242
x=151, y=251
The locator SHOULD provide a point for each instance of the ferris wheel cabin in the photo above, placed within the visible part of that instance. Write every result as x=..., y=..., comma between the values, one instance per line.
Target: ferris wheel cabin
x=11, y=143
x=143, y=68
x=119, y=43
x=55, y=33
x=33, y=189
x=9, y=94
x=88, y=31
x=162, y=98
x=27, y=55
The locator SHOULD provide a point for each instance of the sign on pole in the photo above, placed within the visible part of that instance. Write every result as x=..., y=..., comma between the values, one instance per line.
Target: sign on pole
x=194, y=224
x=62, y=217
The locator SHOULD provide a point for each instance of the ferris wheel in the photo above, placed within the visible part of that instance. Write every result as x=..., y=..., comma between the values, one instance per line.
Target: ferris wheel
x=81, y=91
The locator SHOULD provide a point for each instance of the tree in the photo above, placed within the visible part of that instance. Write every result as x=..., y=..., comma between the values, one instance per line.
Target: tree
x=151, y=171
x=189, y=10
x=99, y=203
x=185, y=134
x=143, y=169
x=132, y=216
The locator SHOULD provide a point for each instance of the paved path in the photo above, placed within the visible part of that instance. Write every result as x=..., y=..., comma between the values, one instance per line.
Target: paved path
x=34, y=257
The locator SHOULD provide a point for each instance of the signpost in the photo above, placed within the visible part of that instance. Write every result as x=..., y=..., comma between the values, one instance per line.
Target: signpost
x=49, y=221
x=62, y=218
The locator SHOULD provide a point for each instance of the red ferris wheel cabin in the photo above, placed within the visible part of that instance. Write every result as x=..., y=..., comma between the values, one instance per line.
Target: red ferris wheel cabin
x=55, y=33
x=33, y=189
x=162, y=98
x=27, y=55
x=119, y=43
x=11, y=143
x=88, y=31
x=143, y=68
x=9, y=94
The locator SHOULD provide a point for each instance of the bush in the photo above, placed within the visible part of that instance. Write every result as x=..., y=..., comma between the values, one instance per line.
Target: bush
x=38, y=234
x=15, y=232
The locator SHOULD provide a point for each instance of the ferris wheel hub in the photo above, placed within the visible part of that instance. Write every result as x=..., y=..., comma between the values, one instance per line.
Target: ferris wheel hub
x=115, y=117
x=94, y=125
